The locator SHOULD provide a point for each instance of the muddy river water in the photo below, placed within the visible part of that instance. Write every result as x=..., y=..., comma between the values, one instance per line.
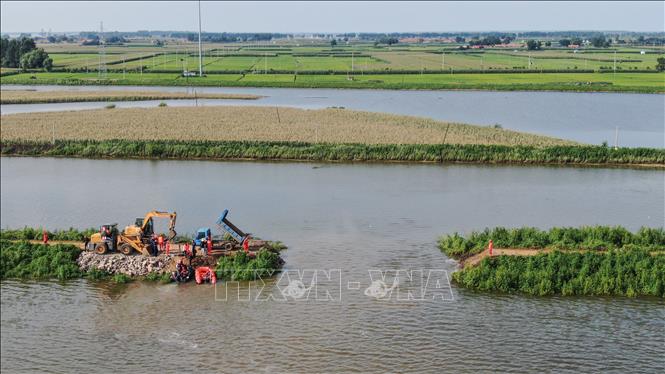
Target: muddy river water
x=345, y=221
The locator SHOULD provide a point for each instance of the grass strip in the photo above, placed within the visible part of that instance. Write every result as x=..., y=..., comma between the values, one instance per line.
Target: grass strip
x=258, y=150
x=626, y=272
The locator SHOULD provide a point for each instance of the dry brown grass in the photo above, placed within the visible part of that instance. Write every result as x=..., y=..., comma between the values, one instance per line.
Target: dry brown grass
x=33, y=97
x=256, y=123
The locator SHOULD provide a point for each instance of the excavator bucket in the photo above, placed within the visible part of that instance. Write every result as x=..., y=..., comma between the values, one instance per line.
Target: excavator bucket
x=172, y=234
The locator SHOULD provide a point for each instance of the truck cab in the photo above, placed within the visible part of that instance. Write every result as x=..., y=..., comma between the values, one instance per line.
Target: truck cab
x=202, y=234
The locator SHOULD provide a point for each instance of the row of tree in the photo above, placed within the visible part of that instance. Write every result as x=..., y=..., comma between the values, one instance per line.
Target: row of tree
x=23, y=53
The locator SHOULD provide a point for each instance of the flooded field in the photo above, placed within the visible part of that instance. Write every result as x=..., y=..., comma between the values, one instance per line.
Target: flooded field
x=584, y=117
x=350, y=217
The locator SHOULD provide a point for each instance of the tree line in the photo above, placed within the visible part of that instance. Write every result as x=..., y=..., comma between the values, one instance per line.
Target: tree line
x=23, y=53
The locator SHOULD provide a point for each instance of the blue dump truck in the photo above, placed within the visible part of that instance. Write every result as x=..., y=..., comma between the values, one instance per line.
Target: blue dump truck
x=232, y=237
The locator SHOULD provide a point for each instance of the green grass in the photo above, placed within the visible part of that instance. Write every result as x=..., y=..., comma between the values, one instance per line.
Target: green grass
x=37, y=261
x=29, y=233
x=229, y=150
x=620, y=82
x=594, y=260
x=629, y=272
x=566, y=238
x=241, y=267
x=367, y=57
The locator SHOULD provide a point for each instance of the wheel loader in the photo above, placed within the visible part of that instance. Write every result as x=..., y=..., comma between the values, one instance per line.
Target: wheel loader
x=136, y=237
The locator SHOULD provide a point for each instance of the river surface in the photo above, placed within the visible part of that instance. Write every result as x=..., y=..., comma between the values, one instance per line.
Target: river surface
x=584, y=117
x=353, y=217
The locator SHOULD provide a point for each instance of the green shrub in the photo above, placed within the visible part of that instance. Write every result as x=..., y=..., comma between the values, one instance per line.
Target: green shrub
x=616, y=272
x=587, y=237
x=242, y=267
x=96, y=274
x=121, y=278
x=29, y=233
x=37, y=261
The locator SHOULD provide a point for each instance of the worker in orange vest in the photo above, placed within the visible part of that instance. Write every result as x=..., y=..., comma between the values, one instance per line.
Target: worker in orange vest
x=168, y=248
x=491, y=248
x=160, y=242
x=209, y=245
x=245, y=245
x=45, y=236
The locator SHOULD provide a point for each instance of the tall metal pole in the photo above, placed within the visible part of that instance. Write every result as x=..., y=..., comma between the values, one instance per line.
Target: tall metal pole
x=443, y=59
x=200, y=55
x=352, y=65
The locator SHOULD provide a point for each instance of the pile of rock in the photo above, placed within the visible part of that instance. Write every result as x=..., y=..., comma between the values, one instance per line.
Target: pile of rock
x=120, y=264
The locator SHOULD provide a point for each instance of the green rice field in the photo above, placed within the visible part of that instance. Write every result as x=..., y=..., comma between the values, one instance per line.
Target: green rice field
x=620, y=82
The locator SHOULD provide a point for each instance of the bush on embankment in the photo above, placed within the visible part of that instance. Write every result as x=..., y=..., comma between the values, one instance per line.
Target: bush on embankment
x=262, y=150
x=565, y=238
x=631, y=273
x=25, y=260
x=29, y=233
x=37, y=261
x=242, y=267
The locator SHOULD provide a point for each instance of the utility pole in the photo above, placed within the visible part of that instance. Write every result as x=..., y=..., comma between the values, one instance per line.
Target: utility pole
x=443, y=59
x=351, y=61
x=200, y=55
x=101, y=73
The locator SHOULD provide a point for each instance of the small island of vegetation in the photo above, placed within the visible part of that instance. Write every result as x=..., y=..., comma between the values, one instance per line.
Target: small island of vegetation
x=565, y=261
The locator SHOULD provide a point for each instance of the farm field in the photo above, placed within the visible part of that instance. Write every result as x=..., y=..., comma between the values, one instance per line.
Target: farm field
x=408, y=66
x=257, y=124
x=583, y=82
x=220, y=57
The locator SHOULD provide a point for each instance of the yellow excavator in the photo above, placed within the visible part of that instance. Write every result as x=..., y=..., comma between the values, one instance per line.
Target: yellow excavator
x=136, y=237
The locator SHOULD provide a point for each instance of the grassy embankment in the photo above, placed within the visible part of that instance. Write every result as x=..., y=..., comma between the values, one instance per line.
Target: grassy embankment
x=29, y=233
x=291, y=134
x=20, y=259
x=42, y=97
x=571, y=261
x=582, y=82
x=24, y=260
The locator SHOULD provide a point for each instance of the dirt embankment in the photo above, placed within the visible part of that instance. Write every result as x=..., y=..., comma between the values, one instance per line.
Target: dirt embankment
x=475, y=259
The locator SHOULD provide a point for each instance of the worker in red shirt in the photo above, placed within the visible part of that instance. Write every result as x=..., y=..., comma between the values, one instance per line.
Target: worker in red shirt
x=160, y=242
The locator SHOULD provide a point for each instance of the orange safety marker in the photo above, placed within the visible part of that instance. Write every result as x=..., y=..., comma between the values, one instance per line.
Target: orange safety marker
x=491, y=247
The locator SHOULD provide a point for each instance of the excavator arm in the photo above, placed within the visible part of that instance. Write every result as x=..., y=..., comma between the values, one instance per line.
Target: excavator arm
x=157, y=214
